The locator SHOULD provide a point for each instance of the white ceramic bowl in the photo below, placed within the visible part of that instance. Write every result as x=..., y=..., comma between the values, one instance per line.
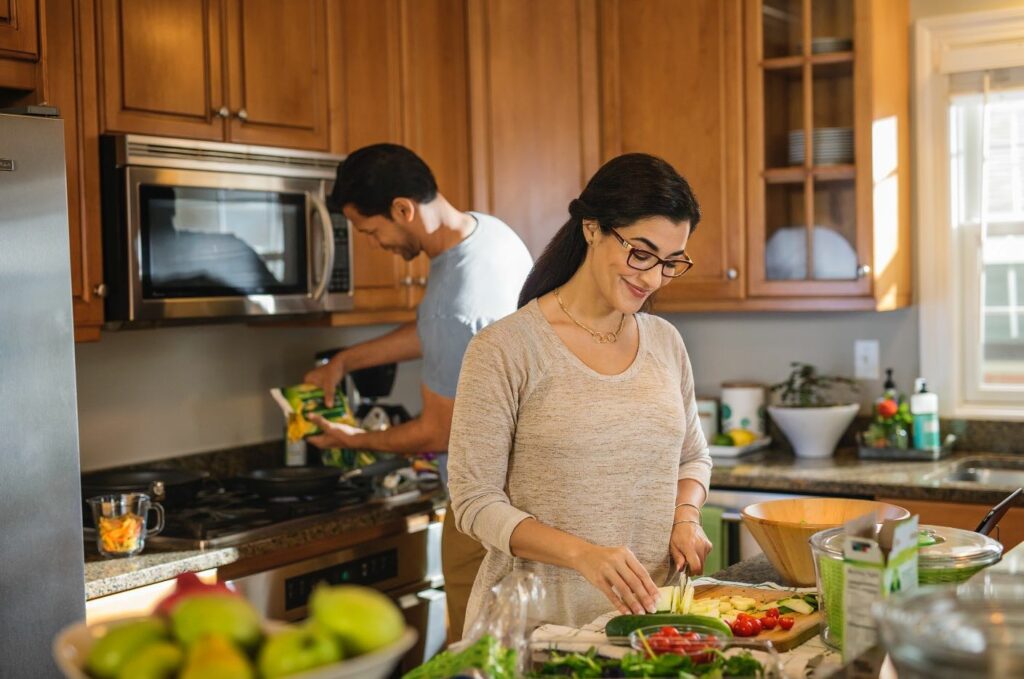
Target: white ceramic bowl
x=72, y=644
x=814, y=432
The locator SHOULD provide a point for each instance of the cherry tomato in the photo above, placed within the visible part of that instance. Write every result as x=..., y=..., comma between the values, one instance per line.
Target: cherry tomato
x=772, y=613
x=786, y=622
x=743, y=628
x=769, y=622
x=669, y=631
x=692, y=635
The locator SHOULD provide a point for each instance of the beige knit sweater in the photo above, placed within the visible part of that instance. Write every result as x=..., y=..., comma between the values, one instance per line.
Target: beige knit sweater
x=536, y=432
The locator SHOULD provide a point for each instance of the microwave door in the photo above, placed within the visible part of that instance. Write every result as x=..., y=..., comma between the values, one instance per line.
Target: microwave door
x=216, y=245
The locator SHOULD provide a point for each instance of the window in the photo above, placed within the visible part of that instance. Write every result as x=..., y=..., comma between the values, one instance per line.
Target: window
x=986, y=154
x=969, y=194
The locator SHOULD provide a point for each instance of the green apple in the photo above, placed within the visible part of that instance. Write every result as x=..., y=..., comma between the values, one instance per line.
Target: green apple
x=296, y=650
x=214, y=657
x=362, y=618
x=120, y=643
x=159, y=660
x=227, y=615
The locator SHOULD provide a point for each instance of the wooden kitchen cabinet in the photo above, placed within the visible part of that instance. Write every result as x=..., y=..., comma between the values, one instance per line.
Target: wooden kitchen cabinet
x=681, y=97
x=533, y=110
x=71, y=87
x=828, y=221
x=19, y=29
x=250, y=71
x=277, y=72
x=966, y=516
x=405, y=85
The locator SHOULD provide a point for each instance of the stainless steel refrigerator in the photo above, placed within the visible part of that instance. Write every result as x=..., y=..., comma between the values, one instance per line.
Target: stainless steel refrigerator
x=41, y=554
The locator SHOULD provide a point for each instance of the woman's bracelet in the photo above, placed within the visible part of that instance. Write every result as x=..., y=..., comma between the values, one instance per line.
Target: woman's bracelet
x=696, y=523
x=689, y=504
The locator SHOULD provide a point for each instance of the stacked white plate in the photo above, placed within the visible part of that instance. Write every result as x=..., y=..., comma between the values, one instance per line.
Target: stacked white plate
x=826, y=44
x=832, y=145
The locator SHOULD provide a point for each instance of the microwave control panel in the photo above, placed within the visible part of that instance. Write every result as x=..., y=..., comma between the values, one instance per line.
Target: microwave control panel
x=341, y=275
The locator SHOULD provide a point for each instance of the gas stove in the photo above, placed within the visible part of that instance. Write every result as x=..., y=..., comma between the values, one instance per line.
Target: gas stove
x=226, y=515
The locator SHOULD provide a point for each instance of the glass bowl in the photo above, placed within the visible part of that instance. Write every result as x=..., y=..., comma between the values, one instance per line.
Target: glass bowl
x=968, y=632
x=696, y=641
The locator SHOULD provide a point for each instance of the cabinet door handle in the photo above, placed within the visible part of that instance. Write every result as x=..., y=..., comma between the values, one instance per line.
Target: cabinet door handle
x=222, y=112
x=732, y=273
x=407, y=281
x=242, y=114
x=100, y=290
x=863, y=270
x=421, y=281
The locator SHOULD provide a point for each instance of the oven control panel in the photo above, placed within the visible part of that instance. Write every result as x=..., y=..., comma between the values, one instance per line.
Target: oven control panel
x=368, y=570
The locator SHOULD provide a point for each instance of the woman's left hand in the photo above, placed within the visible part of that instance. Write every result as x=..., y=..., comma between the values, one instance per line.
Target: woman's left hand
x=689, y=545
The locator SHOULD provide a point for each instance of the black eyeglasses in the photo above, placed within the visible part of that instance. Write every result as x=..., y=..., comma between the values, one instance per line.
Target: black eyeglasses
x=642, y=260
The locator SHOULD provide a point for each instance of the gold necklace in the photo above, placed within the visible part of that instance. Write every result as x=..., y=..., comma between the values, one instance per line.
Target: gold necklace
x=599, y=337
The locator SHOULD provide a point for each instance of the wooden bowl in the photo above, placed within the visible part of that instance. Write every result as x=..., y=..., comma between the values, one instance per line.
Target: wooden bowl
x=783, y=529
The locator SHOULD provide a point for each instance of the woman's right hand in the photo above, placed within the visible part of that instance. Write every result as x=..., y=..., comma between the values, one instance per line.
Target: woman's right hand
x=620, y=576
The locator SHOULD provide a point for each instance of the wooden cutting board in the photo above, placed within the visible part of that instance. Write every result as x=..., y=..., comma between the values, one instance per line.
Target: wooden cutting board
x=804, y=626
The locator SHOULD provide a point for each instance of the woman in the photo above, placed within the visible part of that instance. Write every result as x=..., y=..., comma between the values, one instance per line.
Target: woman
x=576, y=450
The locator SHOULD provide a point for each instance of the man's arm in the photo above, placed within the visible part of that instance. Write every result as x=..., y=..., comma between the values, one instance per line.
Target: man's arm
x=427, y=433
x=401, y=344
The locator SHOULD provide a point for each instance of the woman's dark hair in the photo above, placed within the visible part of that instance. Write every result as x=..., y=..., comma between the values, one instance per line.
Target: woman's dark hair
x=626, y=189
x=373, y=176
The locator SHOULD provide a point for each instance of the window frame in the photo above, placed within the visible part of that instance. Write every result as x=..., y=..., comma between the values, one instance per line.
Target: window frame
x=943, y=46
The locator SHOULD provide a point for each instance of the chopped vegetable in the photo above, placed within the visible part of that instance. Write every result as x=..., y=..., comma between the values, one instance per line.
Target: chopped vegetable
x=796, y=606
x=120, y=534
x=589, y=665
x=486, y=655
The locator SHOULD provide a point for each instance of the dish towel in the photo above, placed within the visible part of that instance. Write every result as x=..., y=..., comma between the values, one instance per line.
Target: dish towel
x=711, y=522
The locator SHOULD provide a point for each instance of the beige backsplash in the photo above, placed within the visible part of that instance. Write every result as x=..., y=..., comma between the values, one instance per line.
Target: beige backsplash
x=154, y=394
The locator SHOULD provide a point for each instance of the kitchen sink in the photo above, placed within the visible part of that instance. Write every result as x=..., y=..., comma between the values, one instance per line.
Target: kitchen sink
x=993, y=472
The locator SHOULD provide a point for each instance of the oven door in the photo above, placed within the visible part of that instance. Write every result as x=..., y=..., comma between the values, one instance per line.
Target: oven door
x=211, y=244
x=405, y=566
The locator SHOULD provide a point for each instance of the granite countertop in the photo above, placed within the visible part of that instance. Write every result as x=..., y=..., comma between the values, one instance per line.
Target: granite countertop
x=110, y=576
x=846, y=474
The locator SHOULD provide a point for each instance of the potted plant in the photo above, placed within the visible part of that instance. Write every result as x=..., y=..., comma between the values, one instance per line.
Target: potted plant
x=813, y=413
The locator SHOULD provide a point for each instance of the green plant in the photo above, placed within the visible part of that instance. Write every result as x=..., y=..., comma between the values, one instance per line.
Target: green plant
x=806, y=388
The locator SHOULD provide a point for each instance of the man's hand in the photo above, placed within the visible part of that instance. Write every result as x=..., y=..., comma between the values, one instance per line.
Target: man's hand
x=327, y=378
x=335, y=434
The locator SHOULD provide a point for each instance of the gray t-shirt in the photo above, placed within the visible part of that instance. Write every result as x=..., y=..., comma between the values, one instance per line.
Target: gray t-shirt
x=471, y=285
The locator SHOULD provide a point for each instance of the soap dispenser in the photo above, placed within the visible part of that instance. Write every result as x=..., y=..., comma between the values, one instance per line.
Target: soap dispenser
x=924, y=406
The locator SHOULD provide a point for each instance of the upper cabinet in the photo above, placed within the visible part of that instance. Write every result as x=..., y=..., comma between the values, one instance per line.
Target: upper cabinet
x=533, y=110
x=680, y=96
x=828, y=154
x=19, y=32
x=277, y=72
x=250, y=71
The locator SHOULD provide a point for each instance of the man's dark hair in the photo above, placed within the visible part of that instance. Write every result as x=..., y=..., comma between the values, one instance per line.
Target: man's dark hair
x=373, y=176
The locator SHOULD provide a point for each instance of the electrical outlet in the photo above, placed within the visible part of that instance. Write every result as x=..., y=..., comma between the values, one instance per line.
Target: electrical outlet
x=865, y=360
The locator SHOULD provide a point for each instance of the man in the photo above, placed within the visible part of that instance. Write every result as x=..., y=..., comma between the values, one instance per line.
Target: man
x=477, y=267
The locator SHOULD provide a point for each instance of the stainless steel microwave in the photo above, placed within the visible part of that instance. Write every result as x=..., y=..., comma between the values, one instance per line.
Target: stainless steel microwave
x=205, y=230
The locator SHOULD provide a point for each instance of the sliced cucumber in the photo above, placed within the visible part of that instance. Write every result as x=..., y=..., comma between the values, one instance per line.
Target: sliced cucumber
x=666, y=599
x=796, y=605
x=686, y=601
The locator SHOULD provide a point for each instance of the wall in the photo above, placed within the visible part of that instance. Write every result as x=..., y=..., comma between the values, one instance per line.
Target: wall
x=761, y=346
x=151, y=394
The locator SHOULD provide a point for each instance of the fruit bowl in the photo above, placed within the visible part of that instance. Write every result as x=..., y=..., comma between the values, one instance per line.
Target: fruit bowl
x=72, y=644
x=783, y=529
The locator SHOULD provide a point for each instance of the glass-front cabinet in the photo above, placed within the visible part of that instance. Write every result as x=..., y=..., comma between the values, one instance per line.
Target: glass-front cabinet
x=827, y=159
